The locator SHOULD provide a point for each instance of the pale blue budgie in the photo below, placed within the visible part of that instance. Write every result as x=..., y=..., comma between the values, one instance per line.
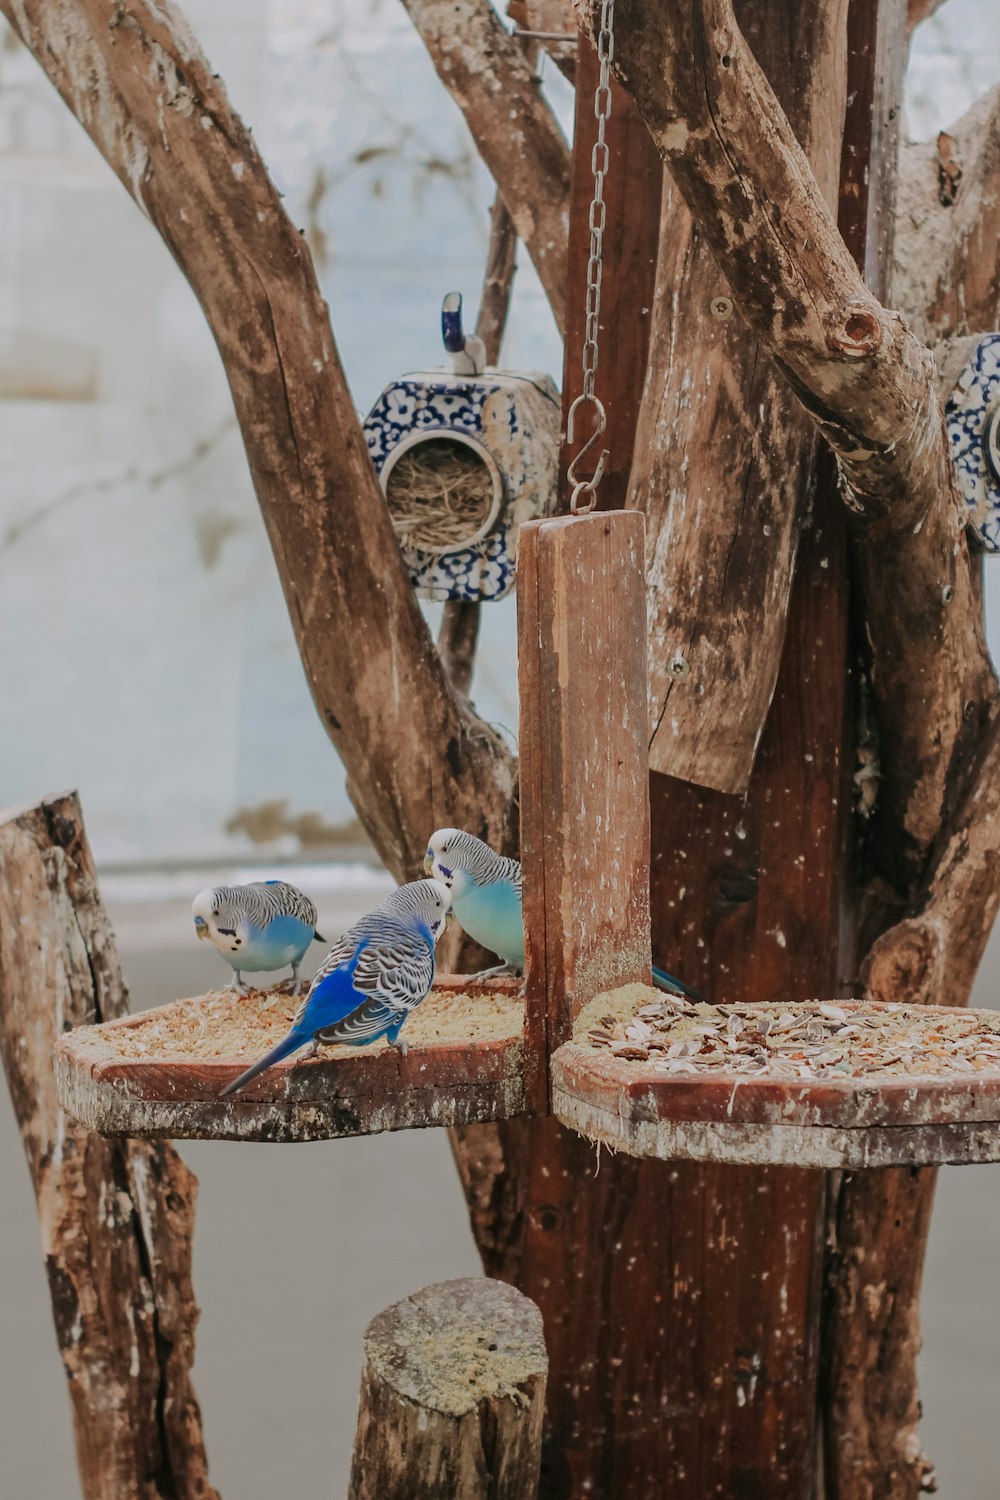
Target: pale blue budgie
x=371, y=979
x=486, y=899
x=258, y=927
x=485, y=893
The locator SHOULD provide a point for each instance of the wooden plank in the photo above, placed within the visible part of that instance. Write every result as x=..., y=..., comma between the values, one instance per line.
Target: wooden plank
x=584, y=792
x=159, y=1073
x=632, y=192
x=452, y=1396
x=798, y=1146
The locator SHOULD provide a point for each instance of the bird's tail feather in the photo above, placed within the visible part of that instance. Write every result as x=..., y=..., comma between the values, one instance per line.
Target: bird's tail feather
x=665, y=981
x=318, y=938
x=288, y=1044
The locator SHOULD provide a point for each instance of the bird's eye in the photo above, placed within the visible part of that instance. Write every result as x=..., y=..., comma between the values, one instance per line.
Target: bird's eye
x=215, y=911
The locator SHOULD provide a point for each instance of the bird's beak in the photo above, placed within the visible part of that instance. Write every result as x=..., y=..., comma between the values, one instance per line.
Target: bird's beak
x=428, y=863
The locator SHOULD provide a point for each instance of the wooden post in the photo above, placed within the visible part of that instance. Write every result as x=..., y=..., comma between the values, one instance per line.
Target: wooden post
x=584, y=784
x=452, y=1394
x=117, y=1217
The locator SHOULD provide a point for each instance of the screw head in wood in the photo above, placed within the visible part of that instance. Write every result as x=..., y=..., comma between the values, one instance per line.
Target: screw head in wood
x=721, y=308
x=678, y=666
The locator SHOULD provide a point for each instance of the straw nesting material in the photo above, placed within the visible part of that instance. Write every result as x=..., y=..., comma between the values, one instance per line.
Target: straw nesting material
x=440, y=492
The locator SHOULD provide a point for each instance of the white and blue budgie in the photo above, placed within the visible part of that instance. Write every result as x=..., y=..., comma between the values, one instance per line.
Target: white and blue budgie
x=486, y=899
x=485, y=893
x=371, y=979
x=257, y=928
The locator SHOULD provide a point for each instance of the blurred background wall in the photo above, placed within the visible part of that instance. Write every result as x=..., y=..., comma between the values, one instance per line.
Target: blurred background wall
x=146, y=658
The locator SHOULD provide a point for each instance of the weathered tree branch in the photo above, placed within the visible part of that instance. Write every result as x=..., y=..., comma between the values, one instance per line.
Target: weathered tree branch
x=461, y=617
x=866, y=381
x=415, y=753
x=946, y=276
x=490, y=79
x=933, y=955
x=920, y=10
x=117, y=1217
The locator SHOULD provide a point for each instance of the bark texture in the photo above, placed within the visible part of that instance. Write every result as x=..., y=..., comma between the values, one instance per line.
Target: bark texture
x=491, y=80
x=866, y=381
x=117, y=1217
x=452, y=1395
x=416, y=755
x=584, y=782
x=725, y=454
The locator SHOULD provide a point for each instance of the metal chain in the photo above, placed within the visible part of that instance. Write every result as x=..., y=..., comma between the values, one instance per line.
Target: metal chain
x=584, y=494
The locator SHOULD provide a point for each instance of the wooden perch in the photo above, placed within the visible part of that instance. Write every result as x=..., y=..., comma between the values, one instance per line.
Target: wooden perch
x=117, y=1217
x=490, y=79
x=452, y=1396
x=723, y=521
x=148, y=98
x=862, y=376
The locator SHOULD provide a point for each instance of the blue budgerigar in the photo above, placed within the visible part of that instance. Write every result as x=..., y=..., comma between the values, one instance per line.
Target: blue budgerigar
x=485, y=893
x=486, y=898
x=257, y=928
x=371, y=979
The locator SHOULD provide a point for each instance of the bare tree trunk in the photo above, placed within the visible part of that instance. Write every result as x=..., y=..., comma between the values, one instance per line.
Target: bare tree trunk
x=452, y=1395
x=117, y=1217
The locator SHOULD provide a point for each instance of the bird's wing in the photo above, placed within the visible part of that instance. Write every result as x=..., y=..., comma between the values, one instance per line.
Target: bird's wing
x=341, y=953
x=397, y=969
x=367, y=1023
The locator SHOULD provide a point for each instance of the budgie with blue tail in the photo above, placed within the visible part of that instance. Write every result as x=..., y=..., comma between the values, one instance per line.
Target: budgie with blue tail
x=257, y=928
x=371, y=979
x=486, y=899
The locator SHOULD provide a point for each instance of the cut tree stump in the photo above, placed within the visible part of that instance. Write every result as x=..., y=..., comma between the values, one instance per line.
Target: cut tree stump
x=452, y=1395
x=117, y=1217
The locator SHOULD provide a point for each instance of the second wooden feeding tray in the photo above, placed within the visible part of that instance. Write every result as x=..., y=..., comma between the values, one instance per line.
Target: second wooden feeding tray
x=844, y=1084
x=158, y=1073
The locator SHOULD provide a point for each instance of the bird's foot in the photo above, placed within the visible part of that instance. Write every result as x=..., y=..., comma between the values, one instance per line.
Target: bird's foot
x=400, y=1046
x=311, y=1051
x=499, y=971
x=237, y=984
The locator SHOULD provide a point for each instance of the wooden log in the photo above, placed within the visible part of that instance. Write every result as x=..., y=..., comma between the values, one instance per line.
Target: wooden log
x=584, y=783
x=117, y=1217
x=452, y=1395
x=723, y=517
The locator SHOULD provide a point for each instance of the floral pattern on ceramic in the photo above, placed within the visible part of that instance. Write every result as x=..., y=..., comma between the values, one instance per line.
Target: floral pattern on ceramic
x=513, y=420
x=969, y=416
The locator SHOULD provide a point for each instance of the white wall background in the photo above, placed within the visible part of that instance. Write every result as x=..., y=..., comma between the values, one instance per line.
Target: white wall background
x=147, y=654
x=147, y=657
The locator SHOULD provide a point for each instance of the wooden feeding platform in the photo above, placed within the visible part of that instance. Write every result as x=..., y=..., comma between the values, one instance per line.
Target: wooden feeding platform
x=159, y=1073
x=813, y=1084
x=816, y=1084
